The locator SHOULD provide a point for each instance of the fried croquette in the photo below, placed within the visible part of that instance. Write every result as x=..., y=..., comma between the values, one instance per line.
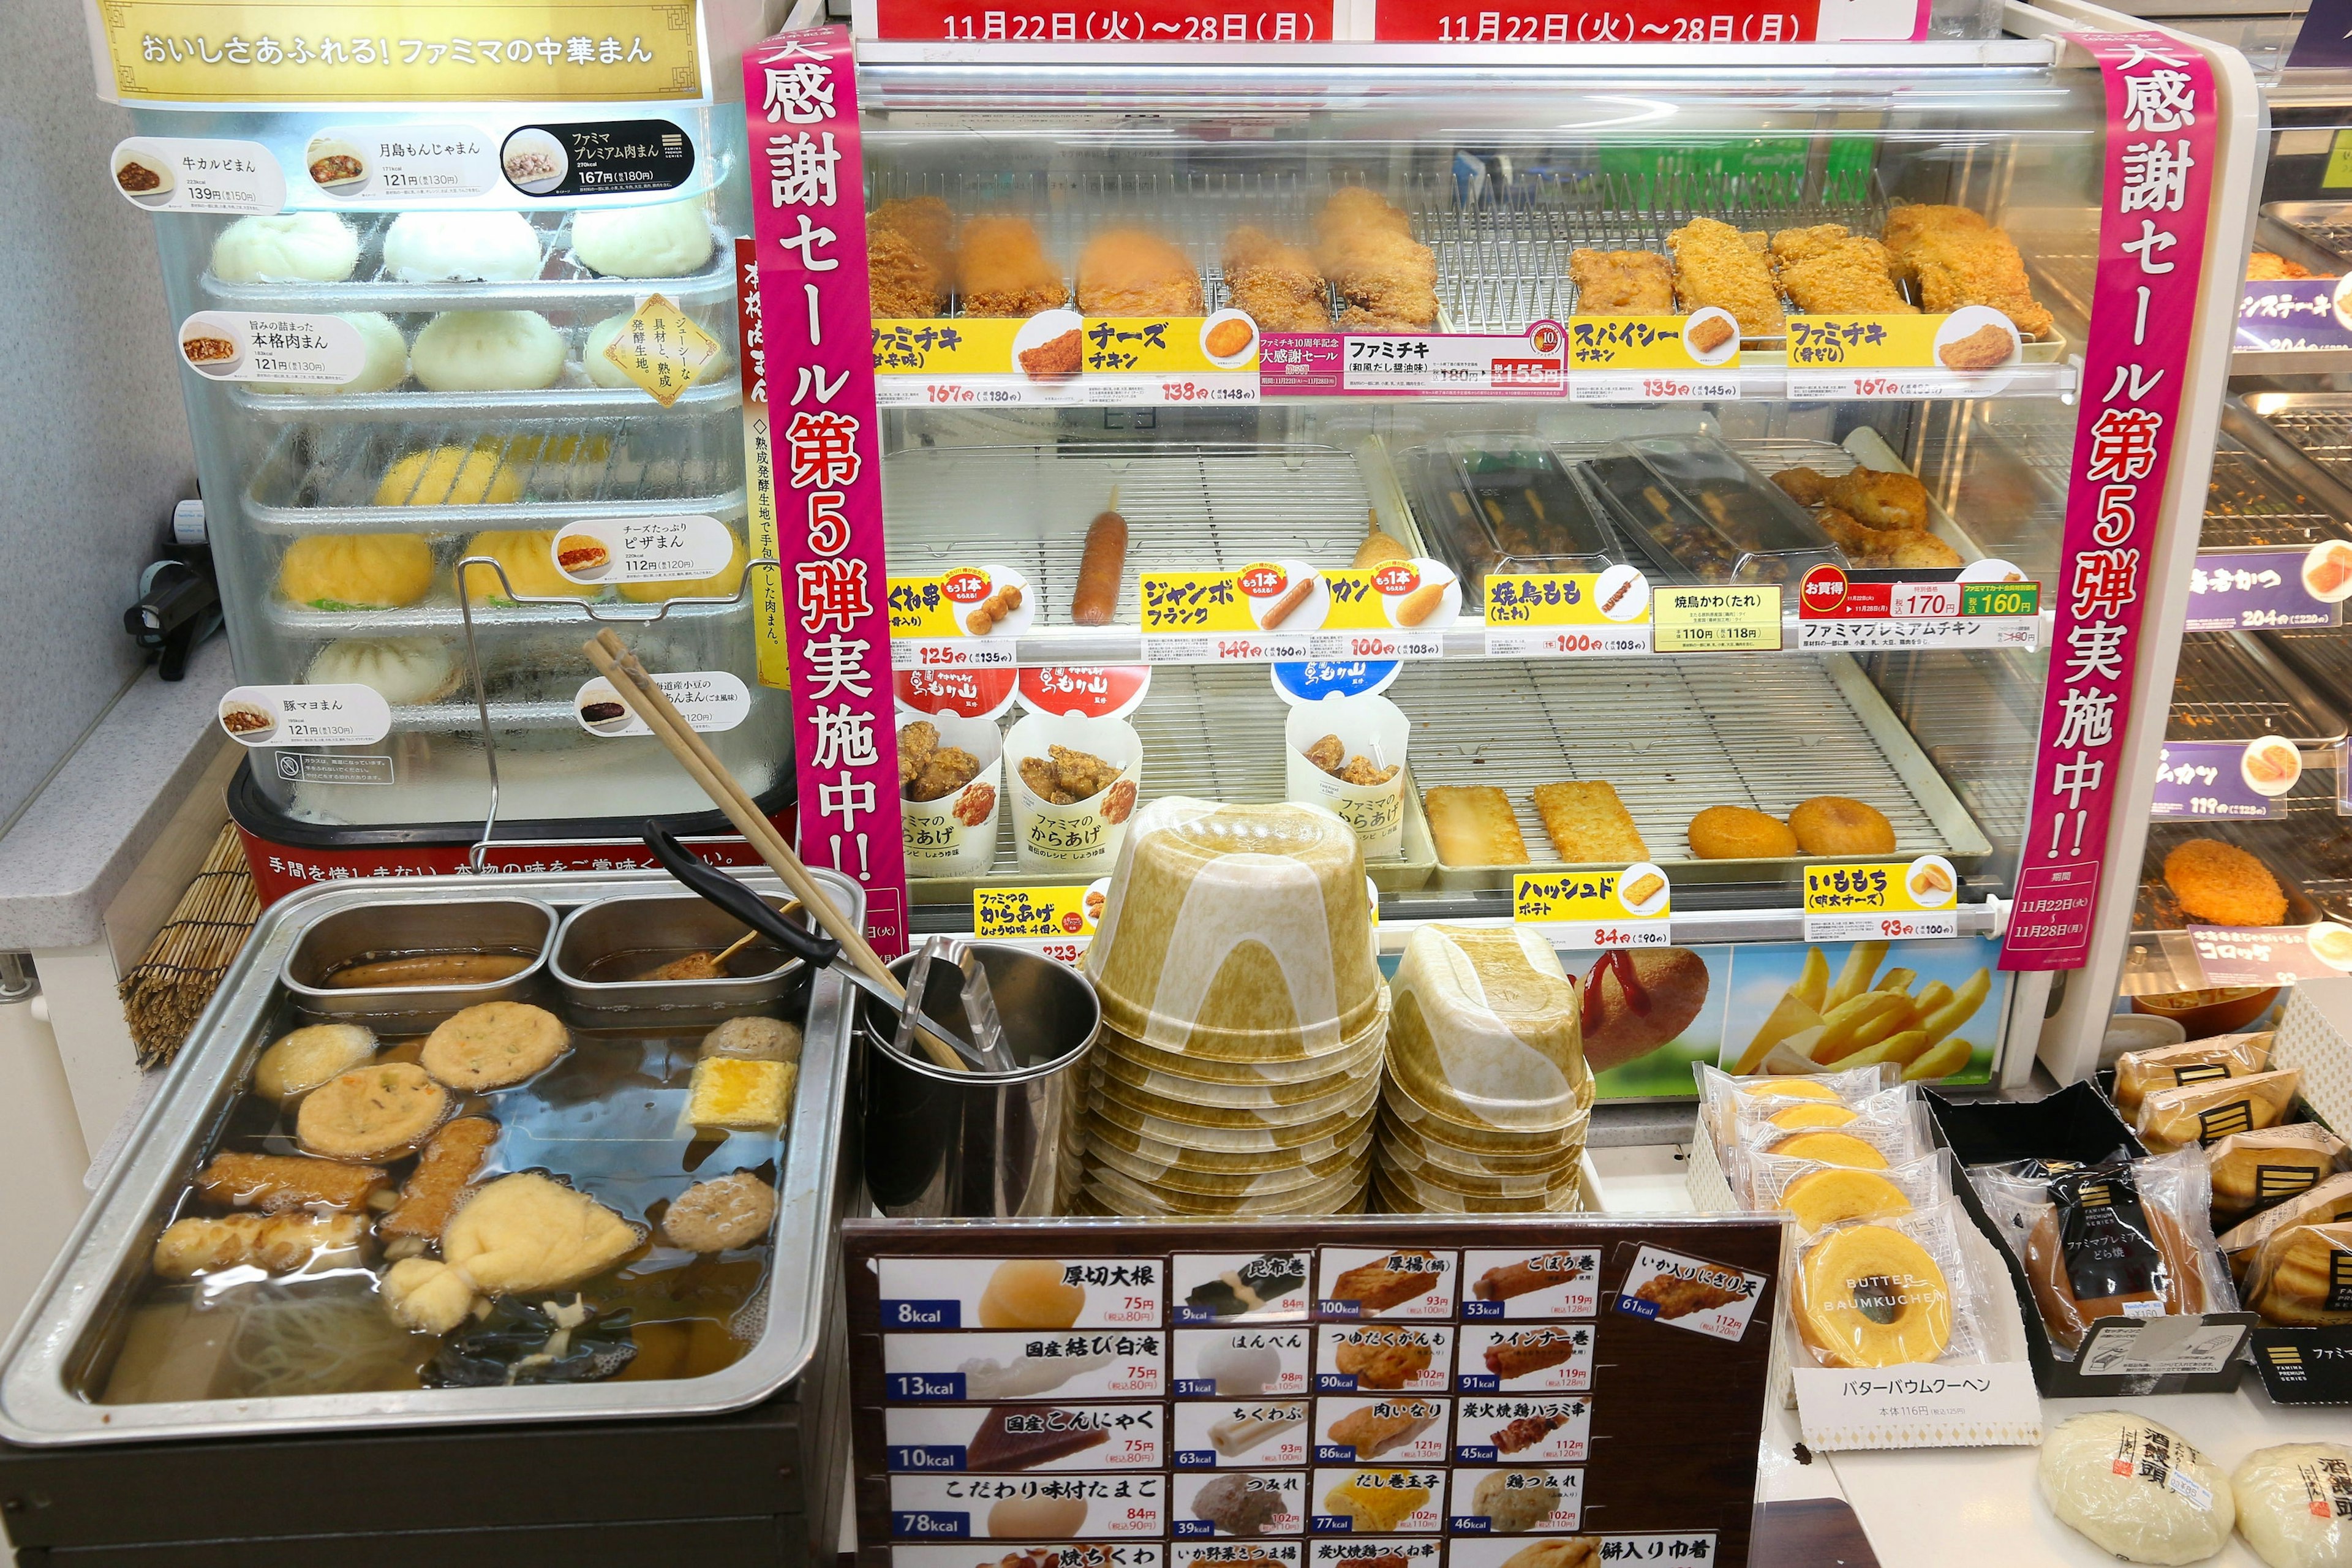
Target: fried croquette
x=1955, y=257
x=1849, y=273
x=2267, y=267
x=1876, y=497
x=1806, y=487
x=2220, y=884
x=1002, y=270
x=1134, y=272
x=1621, y=283
x=899, y=282
x=1277, y=283
x=1737, y=833
x=1716, y=264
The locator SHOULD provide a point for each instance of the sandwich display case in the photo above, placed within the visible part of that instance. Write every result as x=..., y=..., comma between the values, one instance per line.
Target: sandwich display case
x=451, y=300
x=1583, y=472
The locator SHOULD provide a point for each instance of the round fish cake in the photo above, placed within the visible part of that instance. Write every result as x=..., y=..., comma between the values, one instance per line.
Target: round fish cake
x=372, y=1112
x=718, y=1216
x=308, y=1057
x=754, y=1040
x=494, y=1044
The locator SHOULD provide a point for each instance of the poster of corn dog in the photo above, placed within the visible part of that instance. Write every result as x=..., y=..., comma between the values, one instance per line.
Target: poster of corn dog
x=1932, y=1009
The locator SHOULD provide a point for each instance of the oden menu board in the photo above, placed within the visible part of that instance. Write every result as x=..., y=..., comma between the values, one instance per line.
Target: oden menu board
x=1545, y=1392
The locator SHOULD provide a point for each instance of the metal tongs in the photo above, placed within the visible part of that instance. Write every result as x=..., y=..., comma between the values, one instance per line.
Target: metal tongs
x=977, y=1038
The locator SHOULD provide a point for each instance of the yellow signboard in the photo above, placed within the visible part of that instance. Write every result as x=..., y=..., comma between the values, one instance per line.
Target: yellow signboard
x=1162, y=345
x=1646, y=342
x=1194, y=602
x=1864, y=342
x=400, y=51
x=1887, y=899
x=969, y=346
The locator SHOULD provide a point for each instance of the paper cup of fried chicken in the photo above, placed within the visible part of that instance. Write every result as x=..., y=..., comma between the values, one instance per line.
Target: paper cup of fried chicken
x=1347, y=753
x=1074, y=781
x=951, y=785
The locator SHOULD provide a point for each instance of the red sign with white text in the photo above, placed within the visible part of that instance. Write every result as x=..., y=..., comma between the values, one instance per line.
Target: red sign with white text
x=2161, y=110
x=1154, y=22
x=812, y=399
x=1642, y=22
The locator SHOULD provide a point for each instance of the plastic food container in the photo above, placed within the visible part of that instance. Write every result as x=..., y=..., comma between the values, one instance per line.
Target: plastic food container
x=1115, y=1192
x=1497, y=505
x=1398, y=1199
x=1542, y=1159
x=1237, y=932
x=1083, y=838
x=1432, y=1128
x=374, y=932
x=1370, y=727
x=1412, y=1172
x=1347, y=1101
x=1274, y=1096
x=955, y=835
x=603, y=946
x=1703, y=516
x=1334, y=1130
x=1352, y=1057
x=1180, y=1178
x=1484, y=1029
x=1100, y=1131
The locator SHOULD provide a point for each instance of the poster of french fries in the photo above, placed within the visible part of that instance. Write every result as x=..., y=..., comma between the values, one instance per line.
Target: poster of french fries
x=1931, y=1008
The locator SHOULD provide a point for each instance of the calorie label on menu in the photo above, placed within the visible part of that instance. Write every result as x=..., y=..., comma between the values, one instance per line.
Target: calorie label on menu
x=1308, y=1392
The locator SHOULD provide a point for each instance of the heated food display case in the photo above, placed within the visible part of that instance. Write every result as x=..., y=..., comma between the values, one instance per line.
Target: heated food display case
x=441, y=327
x=1591, y=474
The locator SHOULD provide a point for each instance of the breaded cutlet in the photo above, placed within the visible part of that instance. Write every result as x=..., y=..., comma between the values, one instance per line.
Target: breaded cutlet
x=1716, y=264
x=1622, y=282
x=1002, y=270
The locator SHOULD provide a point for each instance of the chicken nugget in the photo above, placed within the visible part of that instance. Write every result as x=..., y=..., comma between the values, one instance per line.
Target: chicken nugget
x=1002, y=270
x=1134, y=272
x=916, y=741
x=944, y=771
x=1806, y=487
x=1877, y=498
x=1327, y=753
x=2223, y=885
x=1621, y=283
x=1716, y=264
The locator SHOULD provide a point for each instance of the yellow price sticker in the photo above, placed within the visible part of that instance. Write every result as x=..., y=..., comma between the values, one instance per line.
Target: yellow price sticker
x=1628, y=908
x=1864, y=342
x=973, y=345
x=1736, y=619
x=1056, y=921
x=1886, y=900
x=1651, y=342
x=2338, y=173
x=1200, y=601
x=1162, y=345
x=1618, y=597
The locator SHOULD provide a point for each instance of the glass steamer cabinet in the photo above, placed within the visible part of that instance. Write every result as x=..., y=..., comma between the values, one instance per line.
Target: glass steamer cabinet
x=1567, y=463
x=447, y=298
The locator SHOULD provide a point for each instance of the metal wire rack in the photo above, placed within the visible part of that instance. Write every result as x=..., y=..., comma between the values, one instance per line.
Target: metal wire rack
x=2228, y=687
x=2322, y=655
x=2249, y=505
x=2319, y=427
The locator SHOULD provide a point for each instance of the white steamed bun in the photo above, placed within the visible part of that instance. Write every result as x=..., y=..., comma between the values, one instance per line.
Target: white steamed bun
x=384, y=366
x=665, y=241
x=2137, y=1489
x=404, y=670
x=489, y=351
x=435, y=247
x=286, y=247
x=604, y=373
x=2294, y=1504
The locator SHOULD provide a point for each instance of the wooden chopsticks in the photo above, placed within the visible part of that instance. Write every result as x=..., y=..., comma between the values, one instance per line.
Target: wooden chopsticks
x=614, y=660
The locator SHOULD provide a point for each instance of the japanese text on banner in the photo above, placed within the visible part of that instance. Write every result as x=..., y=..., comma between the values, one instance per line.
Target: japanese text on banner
x=2159, y=153
x=816, y=369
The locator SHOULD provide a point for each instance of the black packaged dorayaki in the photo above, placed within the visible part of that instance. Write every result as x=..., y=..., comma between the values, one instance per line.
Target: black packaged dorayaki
x=2187, y=1061
x=2302, y=1276
x=2120, y=1238
x=2205, y=1113
x=2256, y=1171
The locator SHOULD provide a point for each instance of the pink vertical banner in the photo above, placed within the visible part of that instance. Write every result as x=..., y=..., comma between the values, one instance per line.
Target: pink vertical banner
x=2161, y=110
x=824, y=456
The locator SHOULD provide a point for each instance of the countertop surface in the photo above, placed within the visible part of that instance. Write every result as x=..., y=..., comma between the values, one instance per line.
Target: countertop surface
x=81, y=837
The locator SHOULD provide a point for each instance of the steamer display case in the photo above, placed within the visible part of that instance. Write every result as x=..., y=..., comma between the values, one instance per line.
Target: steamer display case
x=1055, y=236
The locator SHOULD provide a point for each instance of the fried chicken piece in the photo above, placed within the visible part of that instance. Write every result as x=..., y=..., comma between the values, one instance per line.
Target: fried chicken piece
x=1876, y=497
x=1002, y=270
x=916, y=741
x=1328, y=753
x=1065, y=778
x=1352, y=208
x=1847, y=274
x=1621, y=283
x=1364, y=773
x=1277, y=283
x=1134, y=272
x=1716, y=264
x=944, y=771
x=1806, y=487
x=2267, y=267
x=1386, y=281
x=925, y=223
x=1956, y=259
x=1887, y=547
x=901, y=283
x=1790, y=246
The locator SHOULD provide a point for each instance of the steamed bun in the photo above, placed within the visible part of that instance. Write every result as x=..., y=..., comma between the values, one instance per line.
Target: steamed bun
x=464, y=247
x=383, y=365
x=450, y=476
x=286, y=247
x=2291, y=1508
x=403, y=670
x=604, y=373
x=356, y=570
x=489, y=351
x=528, y=556
x=665, y=241
x=2137, y=1489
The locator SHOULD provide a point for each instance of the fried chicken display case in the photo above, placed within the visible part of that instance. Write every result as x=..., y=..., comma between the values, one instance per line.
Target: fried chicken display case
x=436, y=298
x=1568, y=465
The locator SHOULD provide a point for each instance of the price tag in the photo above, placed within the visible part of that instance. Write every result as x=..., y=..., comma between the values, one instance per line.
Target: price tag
x=975, y=361
x=305, y=715
x=623, y=550
x=2271, y=956
x=1535, y=615
x=1168, y=359
x=1652, y=359
x=1904, y=1406
x=1266, y=610
x=1718, y=619
x=1446, y=365
x=1968, y=353
x=175, y=174
x=1632, y=908
x=1399, y=609
x=2259, y=589
x=2217, y=779
x=1885, y=900
x=968, y=617
x=1056, y=921
x=1837, y=615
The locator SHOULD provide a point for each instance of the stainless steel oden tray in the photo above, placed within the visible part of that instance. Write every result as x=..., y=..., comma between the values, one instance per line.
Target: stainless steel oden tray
x=624, y=1145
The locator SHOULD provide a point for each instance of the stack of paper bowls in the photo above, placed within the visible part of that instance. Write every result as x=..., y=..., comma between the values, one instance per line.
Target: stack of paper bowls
x=1238, y=1070
x=1487, y=1097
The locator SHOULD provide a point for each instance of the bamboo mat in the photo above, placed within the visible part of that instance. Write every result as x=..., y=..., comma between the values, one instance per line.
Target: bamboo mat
x=164, y=995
